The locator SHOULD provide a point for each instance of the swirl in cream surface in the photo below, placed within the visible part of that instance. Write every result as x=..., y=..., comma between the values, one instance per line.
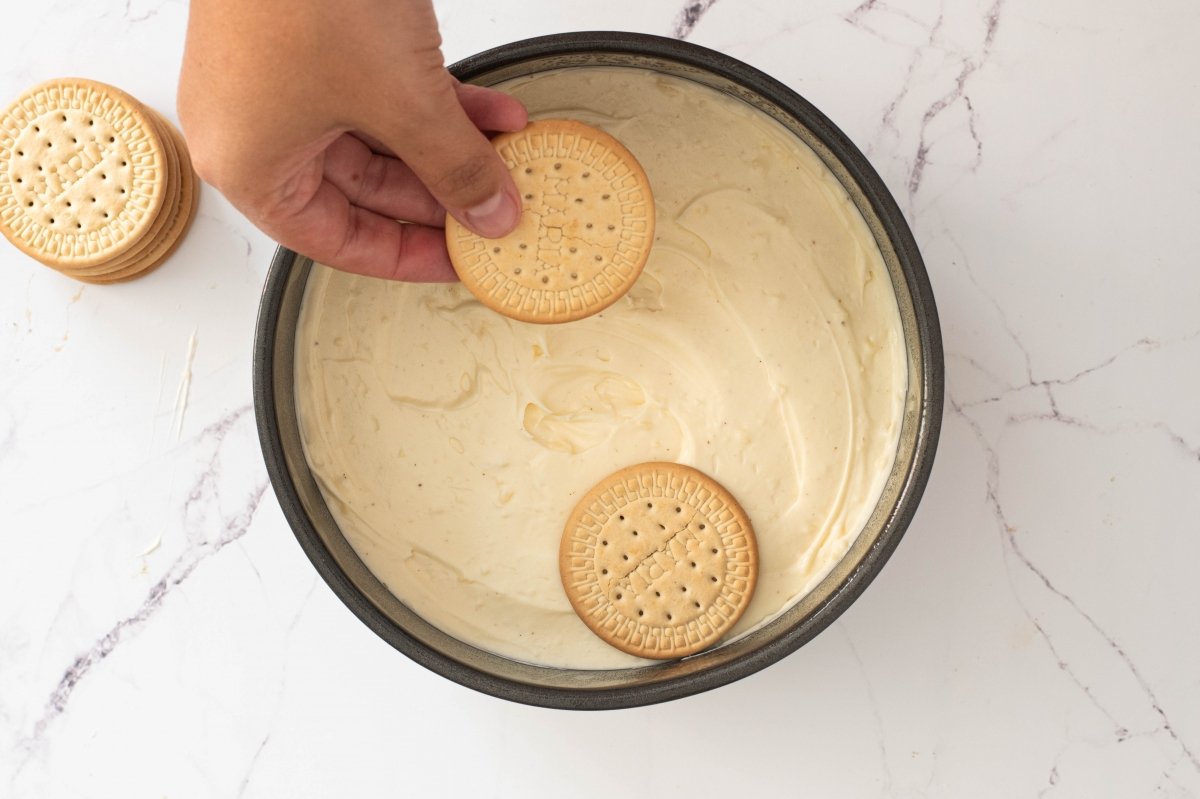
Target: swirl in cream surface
x=761, y=345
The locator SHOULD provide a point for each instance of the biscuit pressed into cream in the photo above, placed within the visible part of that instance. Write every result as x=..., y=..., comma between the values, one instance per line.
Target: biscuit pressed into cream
x=762, y=345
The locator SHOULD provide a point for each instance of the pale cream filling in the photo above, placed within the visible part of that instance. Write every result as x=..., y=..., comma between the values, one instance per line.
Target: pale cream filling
x=762, y=345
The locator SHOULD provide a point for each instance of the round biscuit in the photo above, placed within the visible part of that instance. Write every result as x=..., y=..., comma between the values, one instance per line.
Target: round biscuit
x=82, y=172
x=162, y=222
x=181, y=218
x=659, y=560
x=587, y=225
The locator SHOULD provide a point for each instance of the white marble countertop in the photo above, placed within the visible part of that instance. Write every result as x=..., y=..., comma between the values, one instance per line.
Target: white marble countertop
x=1036, y=633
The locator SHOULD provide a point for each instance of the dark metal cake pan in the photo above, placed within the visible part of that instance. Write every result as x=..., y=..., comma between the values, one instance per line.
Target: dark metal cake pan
x=370, y=600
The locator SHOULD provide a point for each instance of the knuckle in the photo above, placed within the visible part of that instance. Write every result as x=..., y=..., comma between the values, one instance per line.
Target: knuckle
x=468, y=181
x=207, y=155
x=204, y=165
x=373, y=179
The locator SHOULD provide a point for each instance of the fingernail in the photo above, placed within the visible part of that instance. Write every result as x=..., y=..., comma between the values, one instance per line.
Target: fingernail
x=494, y=217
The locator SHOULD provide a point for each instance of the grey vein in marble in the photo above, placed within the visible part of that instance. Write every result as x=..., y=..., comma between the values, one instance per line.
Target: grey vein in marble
x=253, y=763
x=877, y=717
x=287, y=640
x=1052, y=780
x=993, y=477
x=858, y=18
x=959, y=91
x=128, y=15
x=690, y=16
x=1011, y=546
x=8, y=441
x=1047, y=384
x=200, y=547
x=1055, y=415
x=856, y=15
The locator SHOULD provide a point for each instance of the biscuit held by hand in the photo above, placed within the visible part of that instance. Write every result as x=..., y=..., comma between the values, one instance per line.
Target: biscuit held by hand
x=585, y=233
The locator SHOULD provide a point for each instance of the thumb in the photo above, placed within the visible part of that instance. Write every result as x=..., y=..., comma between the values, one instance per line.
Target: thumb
x=457, y=163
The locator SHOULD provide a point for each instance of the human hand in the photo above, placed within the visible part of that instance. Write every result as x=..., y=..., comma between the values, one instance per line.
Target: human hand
x=324, y=123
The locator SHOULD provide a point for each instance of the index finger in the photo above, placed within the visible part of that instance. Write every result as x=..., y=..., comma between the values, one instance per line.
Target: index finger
x=331, y=230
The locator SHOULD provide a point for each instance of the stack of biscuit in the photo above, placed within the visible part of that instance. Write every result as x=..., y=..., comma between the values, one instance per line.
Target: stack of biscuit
x=93, y=183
